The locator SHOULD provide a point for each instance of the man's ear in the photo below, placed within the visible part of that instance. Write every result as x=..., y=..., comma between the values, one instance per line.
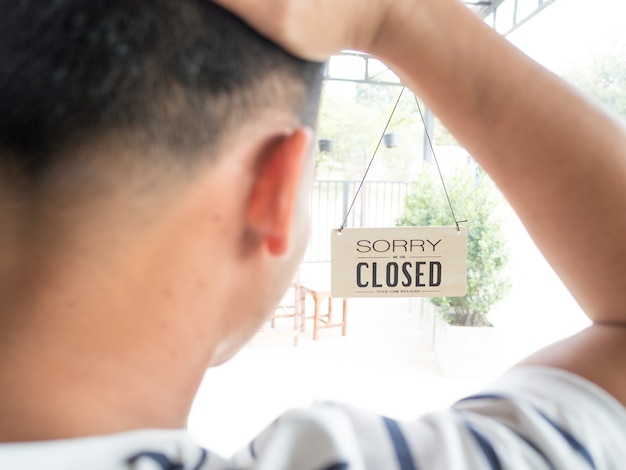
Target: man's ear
x=280, y=171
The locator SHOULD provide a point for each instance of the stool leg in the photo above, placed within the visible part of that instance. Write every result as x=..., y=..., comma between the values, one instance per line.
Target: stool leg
x=296, y=317
x=330, y=310
x=316, y=318
x=344, y=318
x=302, y=310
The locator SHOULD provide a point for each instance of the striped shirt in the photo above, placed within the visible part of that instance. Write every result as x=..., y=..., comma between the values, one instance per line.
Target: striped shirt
x=530, y=418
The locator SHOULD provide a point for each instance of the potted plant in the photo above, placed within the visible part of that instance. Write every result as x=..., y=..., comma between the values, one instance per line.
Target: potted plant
x=326, y=145
x=474, y=197
x=391, y=140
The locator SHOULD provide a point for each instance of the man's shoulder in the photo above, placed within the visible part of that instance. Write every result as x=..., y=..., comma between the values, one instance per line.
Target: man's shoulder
x=132, y=450
x=533, y=417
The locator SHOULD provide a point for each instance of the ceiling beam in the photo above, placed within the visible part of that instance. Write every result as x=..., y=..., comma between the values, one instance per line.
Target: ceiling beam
x=505, y=16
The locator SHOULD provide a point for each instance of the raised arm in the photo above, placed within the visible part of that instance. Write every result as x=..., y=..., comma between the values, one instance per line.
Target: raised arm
x=559, y=159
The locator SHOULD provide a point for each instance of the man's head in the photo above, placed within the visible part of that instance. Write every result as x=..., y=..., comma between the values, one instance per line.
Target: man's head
x=150, y=159
x=170, y=74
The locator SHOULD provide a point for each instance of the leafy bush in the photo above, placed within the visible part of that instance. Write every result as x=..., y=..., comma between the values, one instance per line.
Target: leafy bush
x=475, y=198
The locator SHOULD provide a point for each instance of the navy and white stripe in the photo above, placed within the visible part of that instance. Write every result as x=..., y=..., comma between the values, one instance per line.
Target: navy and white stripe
x=403, y=452
x=532, y=418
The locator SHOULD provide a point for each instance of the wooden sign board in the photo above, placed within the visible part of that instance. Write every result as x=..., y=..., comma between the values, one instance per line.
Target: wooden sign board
x=399, y=262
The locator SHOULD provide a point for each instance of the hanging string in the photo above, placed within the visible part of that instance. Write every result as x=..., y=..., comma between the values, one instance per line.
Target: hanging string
x=432, y=149
x=358, y=191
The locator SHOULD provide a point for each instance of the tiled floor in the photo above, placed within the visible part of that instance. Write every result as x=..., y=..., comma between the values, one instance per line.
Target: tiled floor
x=383, y=363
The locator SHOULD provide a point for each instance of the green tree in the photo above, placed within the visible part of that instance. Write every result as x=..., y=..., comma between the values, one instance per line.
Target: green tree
x=603, y=78
x=355, y=123
x=352, y=127
x=474, y=197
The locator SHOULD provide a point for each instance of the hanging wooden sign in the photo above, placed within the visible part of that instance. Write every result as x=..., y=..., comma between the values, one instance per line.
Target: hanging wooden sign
x=399, y=262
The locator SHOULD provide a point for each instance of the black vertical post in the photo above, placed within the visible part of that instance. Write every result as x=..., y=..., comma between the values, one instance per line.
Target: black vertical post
x=429, y=130
x=346, y=201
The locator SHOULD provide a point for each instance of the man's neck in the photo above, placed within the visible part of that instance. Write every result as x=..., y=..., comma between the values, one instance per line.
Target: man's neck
x=71, y=381
x=101, y=350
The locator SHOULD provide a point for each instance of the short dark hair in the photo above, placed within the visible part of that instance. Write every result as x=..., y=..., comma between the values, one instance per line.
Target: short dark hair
x=173, y=73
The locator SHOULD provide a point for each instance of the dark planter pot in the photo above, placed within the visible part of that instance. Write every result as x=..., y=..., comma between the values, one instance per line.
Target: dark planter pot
x=391, y=140
x=326, y=145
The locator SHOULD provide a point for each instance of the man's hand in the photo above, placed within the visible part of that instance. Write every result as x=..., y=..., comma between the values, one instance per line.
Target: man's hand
x=316, y=29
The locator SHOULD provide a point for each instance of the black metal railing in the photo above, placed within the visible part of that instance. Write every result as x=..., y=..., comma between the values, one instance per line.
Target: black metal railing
x=379, y=204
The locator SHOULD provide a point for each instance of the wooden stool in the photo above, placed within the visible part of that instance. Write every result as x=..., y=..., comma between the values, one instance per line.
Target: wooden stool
x=320, y=320
x=291, y=307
